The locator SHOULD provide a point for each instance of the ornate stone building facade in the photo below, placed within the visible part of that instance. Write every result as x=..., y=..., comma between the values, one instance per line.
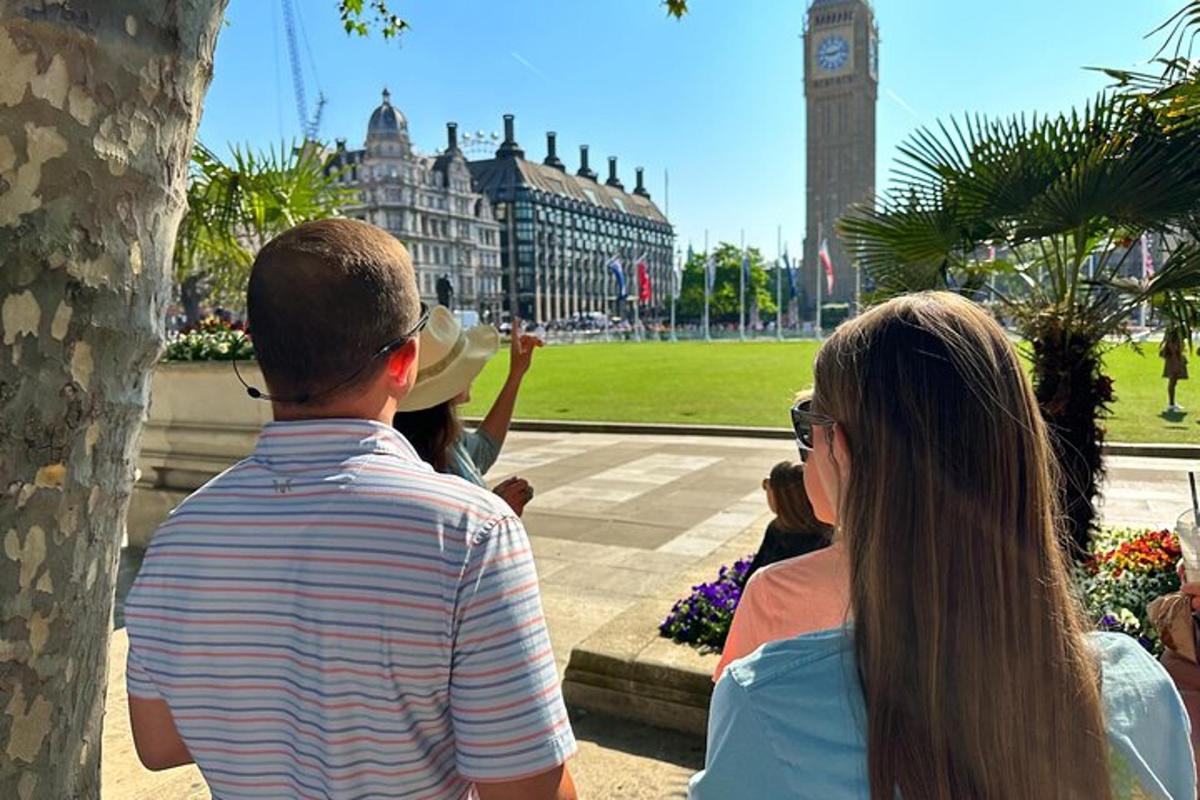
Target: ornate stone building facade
x=841, y=85
x=560, y=231
x=429, y=203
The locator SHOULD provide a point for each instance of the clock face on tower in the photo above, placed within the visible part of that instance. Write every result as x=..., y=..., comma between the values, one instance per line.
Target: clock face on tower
x=833, y=52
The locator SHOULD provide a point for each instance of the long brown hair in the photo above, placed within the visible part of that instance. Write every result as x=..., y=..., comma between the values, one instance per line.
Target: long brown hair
x=431, y=432
x=977, y=676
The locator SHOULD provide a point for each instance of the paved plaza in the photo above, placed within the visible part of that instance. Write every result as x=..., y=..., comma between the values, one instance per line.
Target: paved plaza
x=614, y=519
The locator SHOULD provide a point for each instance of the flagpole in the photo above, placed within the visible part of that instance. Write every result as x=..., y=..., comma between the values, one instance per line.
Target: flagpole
x=817, y=272
x=707, y=328
x=607, y=314
x=677, y=280
x=637, y=300
x=779, y=282
x=742, y=297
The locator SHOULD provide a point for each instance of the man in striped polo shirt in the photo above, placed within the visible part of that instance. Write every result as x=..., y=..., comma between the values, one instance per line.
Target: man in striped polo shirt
x=330, y=617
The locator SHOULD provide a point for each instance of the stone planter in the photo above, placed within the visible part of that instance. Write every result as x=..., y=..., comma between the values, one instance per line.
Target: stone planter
x=200, y=422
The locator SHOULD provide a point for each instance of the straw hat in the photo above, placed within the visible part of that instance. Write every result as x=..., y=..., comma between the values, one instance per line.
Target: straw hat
x=450, y=359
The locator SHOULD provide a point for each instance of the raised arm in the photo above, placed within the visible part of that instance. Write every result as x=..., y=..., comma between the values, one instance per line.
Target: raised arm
x=498, y=420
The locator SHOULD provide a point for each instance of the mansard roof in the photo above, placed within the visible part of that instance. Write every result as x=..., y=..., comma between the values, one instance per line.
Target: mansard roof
x=494, y=176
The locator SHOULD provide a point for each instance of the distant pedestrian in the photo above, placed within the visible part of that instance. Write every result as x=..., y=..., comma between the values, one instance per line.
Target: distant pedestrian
x=1171, y=351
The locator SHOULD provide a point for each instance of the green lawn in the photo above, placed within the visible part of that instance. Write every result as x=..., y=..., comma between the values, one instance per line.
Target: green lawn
x=751, y=383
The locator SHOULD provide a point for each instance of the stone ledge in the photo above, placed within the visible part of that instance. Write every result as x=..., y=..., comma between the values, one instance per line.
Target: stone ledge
x=625, y=669
x=1127, y=449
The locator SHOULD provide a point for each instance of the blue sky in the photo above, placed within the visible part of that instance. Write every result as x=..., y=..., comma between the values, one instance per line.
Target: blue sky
x=716, y=99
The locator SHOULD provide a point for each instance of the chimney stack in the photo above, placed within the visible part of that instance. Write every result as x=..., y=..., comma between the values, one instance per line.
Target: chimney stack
x=509, y=147
x=584, y=170
x=552, y=159
x=640, y=191
x=612, y=175
x=451, y=137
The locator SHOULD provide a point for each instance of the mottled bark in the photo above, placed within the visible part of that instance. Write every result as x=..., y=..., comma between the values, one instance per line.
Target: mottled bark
x=99, y=101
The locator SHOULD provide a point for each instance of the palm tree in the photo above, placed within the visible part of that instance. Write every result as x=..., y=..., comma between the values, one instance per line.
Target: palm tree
x=1173, y=92
x=1039, y=218
x=234, y=208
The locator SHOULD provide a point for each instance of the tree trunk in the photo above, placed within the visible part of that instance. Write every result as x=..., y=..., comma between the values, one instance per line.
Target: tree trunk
x=1074, y=395
x=99, y=101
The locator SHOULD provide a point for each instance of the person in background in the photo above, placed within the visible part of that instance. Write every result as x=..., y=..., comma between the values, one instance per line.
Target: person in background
x=968, y=669
x=451, y=359
x=794, y=531
x=330, y=617
x=798, y=582
x=1175, y=369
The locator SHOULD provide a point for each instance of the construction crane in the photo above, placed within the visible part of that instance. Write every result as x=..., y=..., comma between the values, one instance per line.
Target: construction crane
x=310, y=125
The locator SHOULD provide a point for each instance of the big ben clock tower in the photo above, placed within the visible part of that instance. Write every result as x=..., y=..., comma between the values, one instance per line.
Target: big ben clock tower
x=841, y=84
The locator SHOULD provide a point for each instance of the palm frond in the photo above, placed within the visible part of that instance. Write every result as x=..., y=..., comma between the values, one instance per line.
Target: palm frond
x=1049, y=191
x=234, y=207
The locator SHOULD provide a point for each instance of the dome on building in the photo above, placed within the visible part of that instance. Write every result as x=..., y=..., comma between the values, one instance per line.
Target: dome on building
x=386, y=120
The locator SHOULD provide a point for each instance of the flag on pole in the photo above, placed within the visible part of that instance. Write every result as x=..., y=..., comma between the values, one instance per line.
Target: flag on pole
x=710, y=273
x=1147, y=258
x=746, y=267
x=826, y=262
x=677, y=288
x=614, y=266
x=643, y=276
x=791, y=276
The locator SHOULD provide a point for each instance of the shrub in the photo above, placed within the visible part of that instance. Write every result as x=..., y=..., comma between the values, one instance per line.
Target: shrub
x=211, y=339
x=703, y=617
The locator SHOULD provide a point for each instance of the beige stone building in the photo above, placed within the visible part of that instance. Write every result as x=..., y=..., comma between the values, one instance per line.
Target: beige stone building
x=429, y=203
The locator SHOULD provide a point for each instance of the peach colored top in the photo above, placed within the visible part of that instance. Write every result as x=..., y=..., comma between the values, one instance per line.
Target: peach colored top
x=790, y=597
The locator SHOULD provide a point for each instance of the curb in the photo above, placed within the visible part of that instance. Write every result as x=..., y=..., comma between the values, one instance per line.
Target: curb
x=1124, y=449
x=627, y=670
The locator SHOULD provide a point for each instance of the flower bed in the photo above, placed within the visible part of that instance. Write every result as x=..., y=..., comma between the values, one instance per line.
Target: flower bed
x=703, y=617
x=211, y=339
x=1126, y=571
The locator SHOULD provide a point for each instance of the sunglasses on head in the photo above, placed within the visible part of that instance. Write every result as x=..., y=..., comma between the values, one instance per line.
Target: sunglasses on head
x=412, y=332
x=804, y=419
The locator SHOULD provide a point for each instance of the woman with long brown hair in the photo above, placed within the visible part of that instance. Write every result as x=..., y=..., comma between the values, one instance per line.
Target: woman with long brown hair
x=967, y=670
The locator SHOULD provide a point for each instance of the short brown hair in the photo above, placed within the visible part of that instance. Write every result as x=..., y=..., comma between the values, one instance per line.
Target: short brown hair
x=323, y=298
x=792, y=507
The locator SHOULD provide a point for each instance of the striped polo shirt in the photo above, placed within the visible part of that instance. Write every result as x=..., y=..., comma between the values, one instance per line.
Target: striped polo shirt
x=332, y=618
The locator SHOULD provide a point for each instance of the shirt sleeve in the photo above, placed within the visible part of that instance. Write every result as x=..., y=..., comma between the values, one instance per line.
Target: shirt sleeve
x=734, y=747
x=743, y=637
x=507, y=709
x=138, y=682
x=482, y=449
